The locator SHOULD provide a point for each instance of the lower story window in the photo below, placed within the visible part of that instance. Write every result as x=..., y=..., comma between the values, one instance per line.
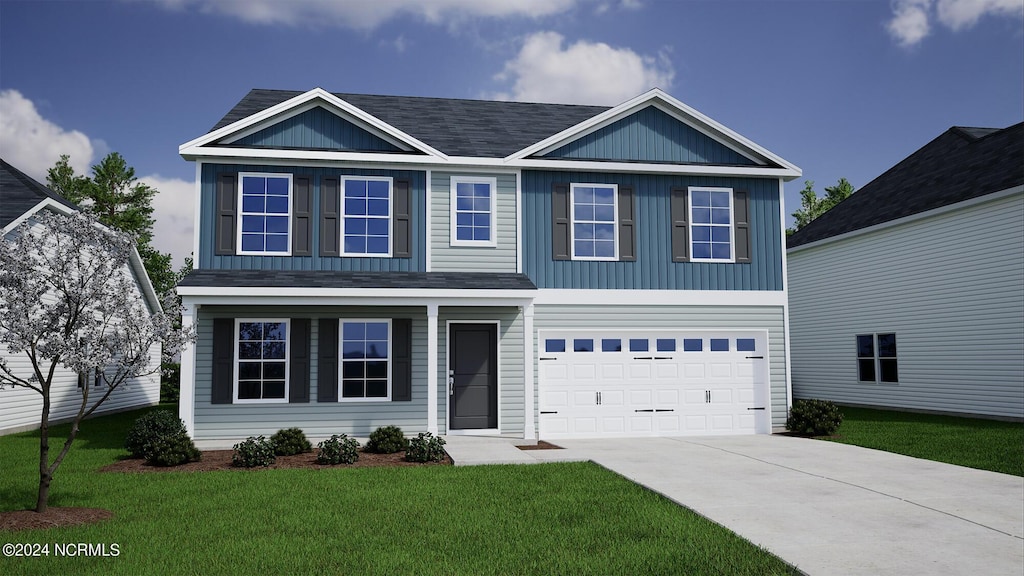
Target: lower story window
x=261, y=357
x=365, y=359
x=876, y=358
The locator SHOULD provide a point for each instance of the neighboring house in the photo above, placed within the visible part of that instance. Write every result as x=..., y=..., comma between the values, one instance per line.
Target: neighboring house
x=910, y=293
x=476, y=267
x=21, y=200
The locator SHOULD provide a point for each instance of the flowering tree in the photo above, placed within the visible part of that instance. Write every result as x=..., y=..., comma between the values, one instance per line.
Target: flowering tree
x=66, y=300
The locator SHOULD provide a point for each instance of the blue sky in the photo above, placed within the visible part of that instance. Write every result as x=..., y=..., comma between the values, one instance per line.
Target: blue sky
x=842, y=88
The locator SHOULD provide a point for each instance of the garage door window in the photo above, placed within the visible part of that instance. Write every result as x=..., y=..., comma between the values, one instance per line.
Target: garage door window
x=554, y=345
x=666, y=344
x=638, y=345
x=745, y=344
x=719, y=344
x=583, y=345
x=693, y=345
x=611, y=345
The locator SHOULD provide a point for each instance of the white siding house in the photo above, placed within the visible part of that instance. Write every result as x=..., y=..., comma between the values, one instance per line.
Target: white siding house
x=21, y=200
x=910, y=294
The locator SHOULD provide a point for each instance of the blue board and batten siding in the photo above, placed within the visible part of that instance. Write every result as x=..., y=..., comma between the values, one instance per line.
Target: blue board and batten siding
x=317, y=129
x=207, y=259
x=653, y=268
x=650, y=135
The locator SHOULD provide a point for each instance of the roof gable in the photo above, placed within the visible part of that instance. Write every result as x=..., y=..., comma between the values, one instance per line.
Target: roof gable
x=958, y=165
x=19, y=194
x=315, y=129
x=650, y=135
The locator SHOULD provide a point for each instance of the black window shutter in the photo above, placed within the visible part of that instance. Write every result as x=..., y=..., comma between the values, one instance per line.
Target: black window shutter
x=227, y=200
x=330, y=216
x=327, y=361
x=302, y=215
x=401, y=246
x=298, y=371
x=741, y=212
x=223, y=374
x=401, y=360
x=560, y=222
x=680, y=231
x=627, y=224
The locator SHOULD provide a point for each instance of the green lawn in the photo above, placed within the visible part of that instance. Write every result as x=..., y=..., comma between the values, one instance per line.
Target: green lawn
x=971, y=442
x=540, y=519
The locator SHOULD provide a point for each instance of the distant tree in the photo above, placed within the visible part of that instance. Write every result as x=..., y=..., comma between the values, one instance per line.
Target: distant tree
x=115, y=196
x=64, y=283
x=811, y=206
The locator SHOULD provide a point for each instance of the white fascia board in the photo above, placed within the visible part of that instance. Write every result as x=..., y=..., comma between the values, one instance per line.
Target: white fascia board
x=44, y=203
x=249, y=154
x=912, y=218
x=287, y=108
x=343, y=297
x=567, y=297
x=641, y=168
x=388, y=294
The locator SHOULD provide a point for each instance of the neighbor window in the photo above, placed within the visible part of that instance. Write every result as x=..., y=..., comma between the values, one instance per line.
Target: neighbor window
x=366, y=227
x=261, y=360
x=365, y=360
x=876, y=358
x=265, y=214
x=473, y=211
x=594, y=217
x=711, y=224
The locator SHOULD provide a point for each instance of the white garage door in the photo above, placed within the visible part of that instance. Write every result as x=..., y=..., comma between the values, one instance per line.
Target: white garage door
x=652, y=383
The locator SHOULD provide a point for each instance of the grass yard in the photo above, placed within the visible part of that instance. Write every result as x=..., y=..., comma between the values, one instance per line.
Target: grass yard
x=972, y=442
x=540, y=519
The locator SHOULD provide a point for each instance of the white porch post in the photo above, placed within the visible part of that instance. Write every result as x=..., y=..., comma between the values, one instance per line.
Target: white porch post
x=529, y=430
x=187, y=379
x=432, y=368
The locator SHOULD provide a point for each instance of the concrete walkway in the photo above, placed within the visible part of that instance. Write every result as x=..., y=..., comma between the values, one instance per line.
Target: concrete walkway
x=826, y=508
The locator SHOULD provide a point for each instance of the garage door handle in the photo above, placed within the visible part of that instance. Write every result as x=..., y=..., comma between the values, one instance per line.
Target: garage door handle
x=547, y=358
x=662, y=357
x=648, y=410
x=755, y=357
x=643, y=358
x=550, y=412
x=664, y=410
x=758, y=408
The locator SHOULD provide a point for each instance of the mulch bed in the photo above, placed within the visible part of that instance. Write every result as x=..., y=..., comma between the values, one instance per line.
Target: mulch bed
x=221, y=460
x=540, y=445
x=52, y=518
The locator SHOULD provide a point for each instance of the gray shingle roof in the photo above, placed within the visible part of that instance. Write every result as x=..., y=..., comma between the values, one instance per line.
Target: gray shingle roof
x=456, y=127
x=335, y=279
x=19, y=193
x=960, y=164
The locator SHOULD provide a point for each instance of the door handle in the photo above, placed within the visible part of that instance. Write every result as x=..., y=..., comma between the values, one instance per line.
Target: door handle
x=451, y=385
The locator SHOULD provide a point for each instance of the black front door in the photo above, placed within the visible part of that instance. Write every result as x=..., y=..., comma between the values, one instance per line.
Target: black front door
x=473, y=376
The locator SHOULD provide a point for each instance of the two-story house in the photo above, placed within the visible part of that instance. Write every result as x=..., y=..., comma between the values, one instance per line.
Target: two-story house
x=480, y=267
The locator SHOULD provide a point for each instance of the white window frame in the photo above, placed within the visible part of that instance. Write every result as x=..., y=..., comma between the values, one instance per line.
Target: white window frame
x=732, y=223
x=242, y=213
x=454, y=211
x=615, y=221
x=341, y=359
x=390, y=217
x=287, y=361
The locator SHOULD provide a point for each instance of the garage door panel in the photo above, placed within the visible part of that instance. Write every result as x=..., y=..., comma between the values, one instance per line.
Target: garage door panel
x=613, y=425
x=613, y=398
x=721, y=370
x=695, y=396
x=638, y=371
x=642, y=397
x=584, y=372
x=667, y=424
x=694, y=371
x=554, y=399
x=667, y=397
x=553, y=373
x=666, y=370
x=612, y=372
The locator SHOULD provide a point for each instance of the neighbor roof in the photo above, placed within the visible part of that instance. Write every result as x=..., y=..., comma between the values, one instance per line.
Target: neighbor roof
x=336, y=279
x=19, y=193
x=456, y=127
x=962, y=163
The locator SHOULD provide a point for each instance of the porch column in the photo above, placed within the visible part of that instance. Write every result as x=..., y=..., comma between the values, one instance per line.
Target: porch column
x=187, y=378
x=529, y=430
x=432, y=368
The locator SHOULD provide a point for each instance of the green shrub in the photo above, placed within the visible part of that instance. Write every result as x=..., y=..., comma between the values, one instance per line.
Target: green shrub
x=289, y=442
x=172, y=451
x=150, y=427
x=338, y=449
x=814, y=417
x=425, y=448
x=387, y=440
x=253, y=452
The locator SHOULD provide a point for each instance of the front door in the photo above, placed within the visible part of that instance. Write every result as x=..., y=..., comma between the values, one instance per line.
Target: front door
x=473, y=376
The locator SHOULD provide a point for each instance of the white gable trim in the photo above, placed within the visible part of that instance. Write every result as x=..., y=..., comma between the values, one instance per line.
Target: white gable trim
x=302, y=103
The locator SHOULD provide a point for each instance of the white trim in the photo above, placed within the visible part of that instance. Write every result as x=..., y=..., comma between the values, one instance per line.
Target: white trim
x=615, y=222
x=416, y=296
x=287, y=361
x=690, y=224
x=497, y=375
x=241, y=214
x=187, y=378
x=391, y=217
x=197, y=214
x=785, y=290
x=432, y=310
x=529, y=388
x=453, y=183
x=992, y=197
x=552, y=296
x=519, y=221
x=428, y=226
x=341, y=361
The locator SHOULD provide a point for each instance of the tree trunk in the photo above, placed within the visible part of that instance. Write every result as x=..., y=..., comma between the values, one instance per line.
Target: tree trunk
x=45, y=476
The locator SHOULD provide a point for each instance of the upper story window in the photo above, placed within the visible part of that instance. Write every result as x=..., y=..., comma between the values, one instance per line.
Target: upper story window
x=365, y=360
x=876, y=358
x=711, y=224
x=261, y=360
x=594, y=218
x=366, y=222
x=474, y=213
x=265, y=201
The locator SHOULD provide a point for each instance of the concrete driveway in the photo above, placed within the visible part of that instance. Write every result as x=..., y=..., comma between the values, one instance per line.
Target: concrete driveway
x=831, y=508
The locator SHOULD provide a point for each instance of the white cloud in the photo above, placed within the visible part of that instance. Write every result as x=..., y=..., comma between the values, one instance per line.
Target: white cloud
x=582, y=73
x=911, y=21
x=174, y=215
x=370, y=13
x=32, y=143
